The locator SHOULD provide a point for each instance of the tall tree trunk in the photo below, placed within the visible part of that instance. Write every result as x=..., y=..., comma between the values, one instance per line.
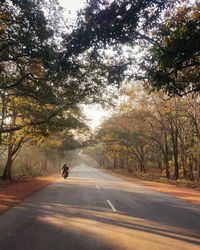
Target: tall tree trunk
x=159, y=165
x=3, y=110
x=174, y=133
x=122, y=162
x=166, y=156
x=12, y=151
x=44, y=166
x=7, y=174
x=183, y=160
x=140, y=158
x=115, y=162
x=191, y=170
x=127, y=163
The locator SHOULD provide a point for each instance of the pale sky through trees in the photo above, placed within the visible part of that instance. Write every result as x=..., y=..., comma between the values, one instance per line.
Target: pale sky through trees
x=72, y=5
x=95, y=113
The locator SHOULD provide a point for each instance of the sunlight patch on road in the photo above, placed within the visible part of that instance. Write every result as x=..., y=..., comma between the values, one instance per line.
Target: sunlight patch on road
x=121, y=231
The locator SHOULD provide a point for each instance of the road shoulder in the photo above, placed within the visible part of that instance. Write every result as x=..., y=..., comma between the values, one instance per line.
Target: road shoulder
x=15, y=193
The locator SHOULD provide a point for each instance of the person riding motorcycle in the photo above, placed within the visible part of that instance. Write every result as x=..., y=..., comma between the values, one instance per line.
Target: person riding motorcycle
x=65, y=170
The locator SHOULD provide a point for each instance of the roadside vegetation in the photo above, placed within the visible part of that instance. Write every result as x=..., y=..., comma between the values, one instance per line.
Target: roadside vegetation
x=152, y=137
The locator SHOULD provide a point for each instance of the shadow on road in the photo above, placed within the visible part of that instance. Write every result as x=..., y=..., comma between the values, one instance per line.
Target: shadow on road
x=159, y=223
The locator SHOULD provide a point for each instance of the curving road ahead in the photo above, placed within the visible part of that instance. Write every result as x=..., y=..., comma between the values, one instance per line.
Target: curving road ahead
x=97, y=211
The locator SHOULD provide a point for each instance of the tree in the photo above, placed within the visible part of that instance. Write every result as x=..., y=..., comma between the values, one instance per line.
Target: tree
x=28, y=53
x=173, y=64
x=170, y=41
x=39, y=95
x=104, y=23
x=35, y=63
x=29, y=65
x=152, y=133
x=20, y=110
x=27, y=47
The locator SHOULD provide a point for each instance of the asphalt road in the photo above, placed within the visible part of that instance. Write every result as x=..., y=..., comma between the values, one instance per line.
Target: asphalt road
x=97, y=211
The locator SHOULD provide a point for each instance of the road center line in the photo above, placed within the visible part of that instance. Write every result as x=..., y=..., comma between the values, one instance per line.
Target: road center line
x=45, y=212
x=111, y=205
x=97, y=187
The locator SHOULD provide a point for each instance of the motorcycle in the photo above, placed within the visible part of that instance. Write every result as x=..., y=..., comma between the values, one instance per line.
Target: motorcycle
x=65, y=174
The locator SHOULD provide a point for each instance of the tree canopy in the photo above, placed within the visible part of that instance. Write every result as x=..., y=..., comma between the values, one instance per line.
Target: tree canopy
x=37, y=97
x=174, y=63
x=167, y=31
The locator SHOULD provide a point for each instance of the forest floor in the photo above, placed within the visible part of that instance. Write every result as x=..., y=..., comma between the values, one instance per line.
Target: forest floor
x=14, y=191
x=184, y=190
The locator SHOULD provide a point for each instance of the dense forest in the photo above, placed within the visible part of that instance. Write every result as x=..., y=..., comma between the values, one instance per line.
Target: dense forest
x=49, y=67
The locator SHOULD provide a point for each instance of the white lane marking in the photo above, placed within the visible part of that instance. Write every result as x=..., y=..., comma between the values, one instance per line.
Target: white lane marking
x=45, y=212
x=97, y=187
x=111, y=205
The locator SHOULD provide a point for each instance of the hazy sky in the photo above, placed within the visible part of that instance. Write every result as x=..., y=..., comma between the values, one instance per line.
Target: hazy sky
x=72, y=6
x=95, y=114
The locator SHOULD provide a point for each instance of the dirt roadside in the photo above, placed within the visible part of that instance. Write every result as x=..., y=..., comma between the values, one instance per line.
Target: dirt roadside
x=186, y=194
x=14, y=193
